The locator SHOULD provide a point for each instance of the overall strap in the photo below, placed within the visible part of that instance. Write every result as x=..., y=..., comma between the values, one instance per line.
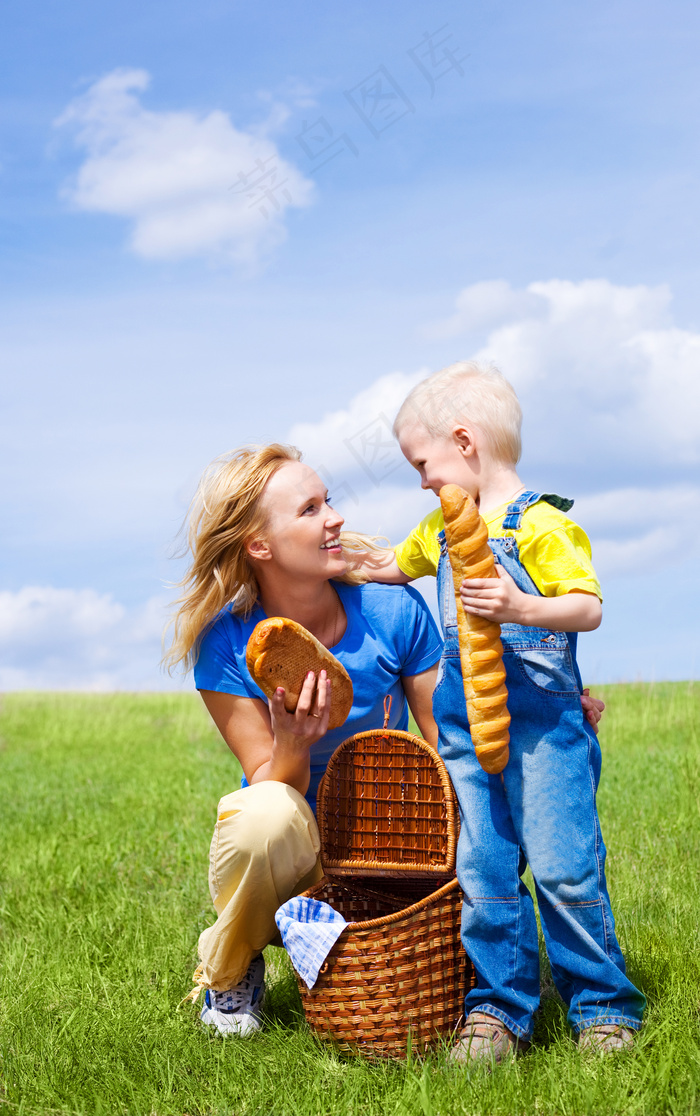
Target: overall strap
x=514, y=512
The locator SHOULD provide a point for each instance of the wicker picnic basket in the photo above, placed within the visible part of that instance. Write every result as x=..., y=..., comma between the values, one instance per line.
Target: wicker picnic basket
x=389, y=824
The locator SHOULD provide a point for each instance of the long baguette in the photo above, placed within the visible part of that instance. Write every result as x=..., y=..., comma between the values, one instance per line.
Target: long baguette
x=281, y=652
x=480, y=648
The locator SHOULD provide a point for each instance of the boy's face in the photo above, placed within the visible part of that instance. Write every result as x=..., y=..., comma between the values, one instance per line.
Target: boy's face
x=440, y=461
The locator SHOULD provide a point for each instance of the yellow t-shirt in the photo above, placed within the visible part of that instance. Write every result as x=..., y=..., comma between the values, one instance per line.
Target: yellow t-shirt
x=554, y=550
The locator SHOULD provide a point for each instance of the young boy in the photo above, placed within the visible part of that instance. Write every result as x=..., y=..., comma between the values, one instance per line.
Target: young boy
x=462, y=426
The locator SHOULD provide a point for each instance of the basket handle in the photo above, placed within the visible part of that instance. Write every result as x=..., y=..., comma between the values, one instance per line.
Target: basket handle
x=387, y=710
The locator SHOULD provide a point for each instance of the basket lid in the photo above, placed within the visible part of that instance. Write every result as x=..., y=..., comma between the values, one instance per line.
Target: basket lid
x=386, y=807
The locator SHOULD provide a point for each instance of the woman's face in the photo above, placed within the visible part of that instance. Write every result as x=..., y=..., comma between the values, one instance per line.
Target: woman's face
x=303, y=529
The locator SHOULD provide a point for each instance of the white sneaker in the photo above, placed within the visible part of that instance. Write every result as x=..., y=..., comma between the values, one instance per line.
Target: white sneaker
x=237, y=1010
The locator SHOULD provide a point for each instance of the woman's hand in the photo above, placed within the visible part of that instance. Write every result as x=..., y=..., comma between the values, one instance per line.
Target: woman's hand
x=294, y=733
x=309, y=722
x=592, y=709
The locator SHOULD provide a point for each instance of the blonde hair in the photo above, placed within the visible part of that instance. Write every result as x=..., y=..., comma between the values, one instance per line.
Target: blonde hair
x=467, y=392
x=227, y=512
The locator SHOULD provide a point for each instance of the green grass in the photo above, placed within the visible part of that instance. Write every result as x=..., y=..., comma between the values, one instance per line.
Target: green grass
x=107, y=804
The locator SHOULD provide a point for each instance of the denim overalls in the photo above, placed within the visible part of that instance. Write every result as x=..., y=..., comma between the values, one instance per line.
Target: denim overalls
x=542, y=812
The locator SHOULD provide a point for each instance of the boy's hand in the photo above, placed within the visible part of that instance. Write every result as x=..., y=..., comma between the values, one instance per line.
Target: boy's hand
x=497, y=599
x=500, y=600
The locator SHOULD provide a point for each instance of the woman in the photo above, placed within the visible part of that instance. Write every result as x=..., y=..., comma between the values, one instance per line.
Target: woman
x=265, y=541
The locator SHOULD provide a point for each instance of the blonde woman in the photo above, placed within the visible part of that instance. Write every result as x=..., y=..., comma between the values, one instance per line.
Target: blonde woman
x=265, y=541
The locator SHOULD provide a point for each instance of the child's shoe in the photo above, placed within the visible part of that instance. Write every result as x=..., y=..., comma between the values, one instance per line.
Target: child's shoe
x=487, y=1040
x=606, y=1038
x=236, y=1011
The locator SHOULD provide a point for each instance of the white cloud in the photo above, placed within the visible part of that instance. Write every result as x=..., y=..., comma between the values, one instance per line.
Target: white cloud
x=606, y=379
x=611, y=393
x=624, y=509
x=55, y=615
x=641, y=530
x=358, y=439
x=484, y=305
x=191, y=184
x=77, y=639
x=609, y=384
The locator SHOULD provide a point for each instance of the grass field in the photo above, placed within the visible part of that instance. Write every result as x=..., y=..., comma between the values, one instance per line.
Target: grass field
x=107, y=804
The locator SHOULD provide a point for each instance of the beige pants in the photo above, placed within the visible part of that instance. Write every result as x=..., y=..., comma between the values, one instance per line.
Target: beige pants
x=264, y=850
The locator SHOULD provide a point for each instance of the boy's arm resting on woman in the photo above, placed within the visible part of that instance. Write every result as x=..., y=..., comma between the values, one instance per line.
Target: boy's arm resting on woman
x=381, y=566
x=502, y=601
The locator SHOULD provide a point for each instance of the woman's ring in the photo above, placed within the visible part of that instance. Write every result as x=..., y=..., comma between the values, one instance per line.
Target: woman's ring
x=315, y=715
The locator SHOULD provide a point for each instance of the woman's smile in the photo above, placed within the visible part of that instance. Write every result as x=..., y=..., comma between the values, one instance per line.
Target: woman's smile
x=332, y=544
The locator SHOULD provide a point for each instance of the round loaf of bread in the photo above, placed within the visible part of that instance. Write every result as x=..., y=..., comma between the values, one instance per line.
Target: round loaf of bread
x=281, y=652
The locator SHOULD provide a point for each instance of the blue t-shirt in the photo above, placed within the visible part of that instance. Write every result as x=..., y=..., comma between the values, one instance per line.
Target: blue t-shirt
x=390, y=633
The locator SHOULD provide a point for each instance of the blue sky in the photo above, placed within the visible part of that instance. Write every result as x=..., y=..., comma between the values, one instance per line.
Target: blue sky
x=232, y=223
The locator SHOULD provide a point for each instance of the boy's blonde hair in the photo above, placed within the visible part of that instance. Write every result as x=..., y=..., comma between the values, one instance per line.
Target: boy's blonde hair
x=226, y=512
x=470, y=393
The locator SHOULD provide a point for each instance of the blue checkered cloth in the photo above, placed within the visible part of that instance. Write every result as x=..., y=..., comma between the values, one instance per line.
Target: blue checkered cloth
x=309, y=931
